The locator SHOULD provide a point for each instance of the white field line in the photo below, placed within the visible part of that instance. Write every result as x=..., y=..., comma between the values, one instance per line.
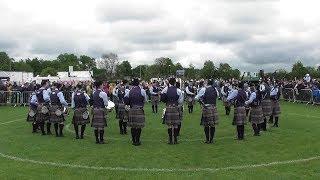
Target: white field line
x=14, y=158
x=8, y=122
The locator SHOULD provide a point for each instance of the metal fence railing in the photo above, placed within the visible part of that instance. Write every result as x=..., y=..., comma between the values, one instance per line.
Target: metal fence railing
x=10, y=98
x=288, y=94
x=304, y=96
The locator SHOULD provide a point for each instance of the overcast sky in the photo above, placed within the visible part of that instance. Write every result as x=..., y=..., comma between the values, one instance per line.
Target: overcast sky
x=248, y=34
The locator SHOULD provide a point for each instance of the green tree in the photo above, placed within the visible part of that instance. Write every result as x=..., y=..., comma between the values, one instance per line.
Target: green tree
x=86, y=63
x=21, y=66
x=124, y=69
x=5, y=62
x=36, y=65
x=208, y=71
x=65, y=60
x=225, y=71
x=298, y=70
x=165, y=66
x=49, y=71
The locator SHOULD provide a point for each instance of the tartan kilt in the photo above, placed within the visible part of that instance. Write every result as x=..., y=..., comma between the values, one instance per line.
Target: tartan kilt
x=276, y=111
x=121, y=111
x=155, y=99
x=225, y=102
x=239, y=116
x=180, y=108
x=256, y=115
x=99, y=118
x=32, y=119
x=53, y=117
x=40, y=117
x=172, y=116
x=78, y=118
x=266, y=107
x=190, y=101
x=209, y=116
x=136, y=117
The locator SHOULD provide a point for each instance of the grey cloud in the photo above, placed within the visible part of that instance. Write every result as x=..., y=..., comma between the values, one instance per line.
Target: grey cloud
x=127, y=10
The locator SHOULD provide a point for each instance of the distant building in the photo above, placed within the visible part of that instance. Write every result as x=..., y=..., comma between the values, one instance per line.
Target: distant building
x=19, y=77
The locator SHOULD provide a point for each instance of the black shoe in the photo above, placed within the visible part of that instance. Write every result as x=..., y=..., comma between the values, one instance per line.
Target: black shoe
x=77, y=137
x=81, y=137
x=102, y=142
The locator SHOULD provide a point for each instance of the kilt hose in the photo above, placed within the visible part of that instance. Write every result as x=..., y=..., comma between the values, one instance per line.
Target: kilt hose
x=256, y=115
x=78, y=117
x=155, y=100
x=121, y=111
x=99, y=118
x=209, y=116
x=53, y=117
x=275, y=108
x=172, y=116
x=239, y=116
x=266, y=107
x=136, y=117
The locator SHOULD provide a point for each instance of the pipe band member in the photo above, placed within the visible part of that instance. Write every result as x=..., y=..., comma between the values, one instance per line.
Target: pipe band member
x=172, y=96
x=256, y=114
x=56, y=110
x=135, y=99
x=155, y=98
x=80, y=102
x=122, y=114
x=208, y=99
x=239, y=97
x=190, y=91
x=275, y=105
x=99, y=112
x=42, y=99
x=265, y=102
x=32, y=113
x=225, y=90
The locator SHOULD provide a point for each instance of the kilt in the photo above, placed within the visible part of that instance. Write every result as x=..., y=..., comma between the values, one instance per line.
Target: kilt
x=256, y=115
x=275, y=108
x=155, y=100
x=121, y=111
x=99, y=118
x=266, y=107
x=136, y=117
x=225, y=102
x=180, y=108
x=78, y=118
x=40, y=117
x=190, y=101
x=53, y=117
x=209, y=116
x=172, y=116
x=239, y=116
x=32, y=118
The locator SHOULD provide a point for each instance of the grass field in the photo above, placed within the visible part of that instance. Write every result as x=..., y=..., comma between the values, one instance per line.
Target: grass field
x=291, y=151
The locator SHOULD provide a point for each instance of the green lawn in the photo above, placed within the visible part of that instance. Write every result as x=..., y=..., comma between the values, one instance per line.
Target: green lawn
x=31, y=156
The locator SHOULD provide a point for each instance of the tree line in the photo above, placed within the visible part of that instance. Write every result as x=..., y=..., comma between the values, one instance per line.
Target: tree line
x=110, y=67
